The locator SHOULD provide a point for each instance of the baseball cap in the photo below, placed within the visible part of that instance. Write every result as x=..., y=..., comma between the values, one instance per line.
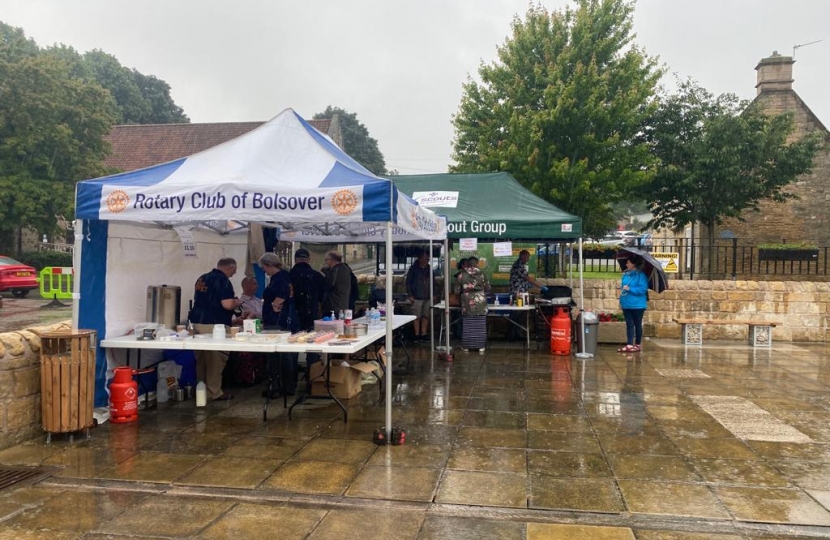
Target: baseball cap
x=302, y=253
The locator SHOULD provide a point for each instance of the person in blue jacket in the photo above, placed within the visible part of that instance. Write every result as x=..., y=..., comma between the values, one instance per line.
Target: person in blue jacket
x=633, y=301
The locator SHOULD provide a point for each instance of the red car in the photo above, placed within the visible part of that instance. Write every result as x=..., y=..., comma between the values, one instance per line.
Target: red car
x=17, y=277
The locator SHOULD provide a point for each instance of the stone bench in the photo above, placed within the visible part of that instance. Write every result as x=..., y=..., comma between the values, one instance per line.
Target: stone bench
x=760, y=332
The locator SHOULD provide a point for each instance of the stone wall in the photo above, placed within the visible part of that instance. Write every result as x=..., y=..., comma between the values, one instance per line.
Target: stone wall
x=802, y=308
x=20, y=384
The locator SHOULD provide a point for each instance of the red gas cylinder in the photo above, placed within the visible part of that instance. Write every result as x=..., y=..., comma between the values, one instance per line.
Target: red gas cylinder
x=560, y=333
x=123, y=396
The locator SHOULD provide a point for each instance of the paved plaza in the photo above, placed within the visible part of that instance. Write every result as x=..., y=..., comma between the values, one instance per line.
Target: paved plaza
x=720, y=442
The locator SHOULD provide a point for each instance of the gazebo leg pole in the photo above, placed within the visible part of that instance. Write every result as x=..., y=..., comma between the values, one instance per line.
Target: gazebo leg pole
x=389, y=316
x=431, y=303
x=447, y=286
x=76, y=277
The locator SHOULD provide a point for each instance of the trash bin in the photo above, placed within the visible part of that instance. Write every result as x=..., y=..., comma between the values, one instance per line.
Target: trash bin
x=67, y=381
x=589, y=334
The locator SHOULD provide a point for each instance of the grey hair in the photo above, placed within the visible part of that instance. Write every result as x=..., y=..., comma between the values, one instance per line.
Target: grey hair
x=270, y=258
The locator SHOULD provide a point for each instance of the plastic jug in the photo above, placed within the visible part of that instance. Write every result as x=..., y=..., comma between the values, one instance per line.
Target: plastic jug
x=201, y=394
x=218, y=331
x=162, y=393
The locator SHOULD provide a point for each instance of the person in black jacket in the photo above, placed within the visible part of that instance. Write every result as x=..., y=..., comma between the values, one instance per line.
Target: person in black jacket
x=213, y=303
x=279, y=312
x=354, y=288
x=419, y=286
x=309, y=287
x=338, y=284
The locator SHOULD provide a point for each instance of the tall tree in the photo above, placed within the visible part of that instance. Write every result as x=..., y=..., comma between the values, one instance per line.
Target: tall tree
x=156, y=93
x=561, y=107
x=142, y=99
x=356, y=139
x=719, y=157
x=51, y=134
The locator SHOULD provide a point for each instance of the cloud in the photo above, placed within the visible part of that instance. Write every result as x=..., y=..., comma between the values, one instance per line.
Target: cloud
x=398, y=65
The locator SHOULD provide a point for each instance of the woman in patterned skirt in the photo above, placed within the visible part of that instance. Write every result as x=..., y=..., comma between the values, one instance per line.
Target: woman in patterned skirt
x=472, y=285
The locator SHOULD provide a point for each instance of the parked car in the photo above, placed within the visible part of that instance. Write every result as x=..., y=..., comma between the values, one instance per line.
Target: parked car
x=611, y=241
x=17, y=277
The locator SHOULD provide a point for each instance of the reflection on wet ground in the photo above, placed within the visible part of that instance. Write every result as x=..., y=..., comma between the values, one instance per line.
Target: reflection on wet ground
x=724, y=442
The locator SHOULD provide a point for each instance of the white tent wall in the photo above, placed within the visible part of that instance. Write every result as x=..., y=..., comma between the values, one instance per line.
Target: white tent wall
x=141, y=255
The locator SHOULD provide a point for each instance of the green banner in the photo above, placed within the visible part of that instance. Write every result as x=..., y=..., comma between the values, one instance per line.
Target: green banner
x=497, y=269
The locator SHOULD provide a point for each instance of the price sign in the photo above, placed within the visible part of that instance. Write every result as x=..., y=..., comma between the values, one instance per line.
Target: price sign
x=188, y=244
x=503, y=249
x=468, y=244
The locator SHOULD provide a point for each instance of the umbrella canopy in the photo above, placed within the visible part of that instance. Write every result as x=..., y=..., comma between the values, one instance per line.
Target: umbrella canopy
x=658, y=281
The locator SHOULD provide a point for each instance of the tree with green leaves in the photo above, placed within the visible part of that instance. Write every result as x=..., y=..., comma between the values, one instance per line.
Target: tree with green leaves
x=51, y=135
x=356, y=139
x=718, y=157
x=56, y=106
x=561, y=108
x=141, y=99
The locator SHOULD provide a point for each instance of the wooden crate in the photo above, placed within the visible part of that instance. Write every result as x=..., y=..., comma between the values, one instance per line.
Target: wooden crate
x=67, y=380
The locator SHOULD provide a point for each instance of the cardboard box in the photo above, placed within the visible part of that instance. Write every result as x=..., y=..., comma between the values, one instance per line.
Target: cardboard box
x=344, y=380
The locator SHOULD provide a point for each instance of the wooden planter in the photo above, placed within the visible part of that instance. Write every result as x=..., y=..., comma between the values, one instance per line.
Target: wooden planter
x=787, y=254
x=611, y=332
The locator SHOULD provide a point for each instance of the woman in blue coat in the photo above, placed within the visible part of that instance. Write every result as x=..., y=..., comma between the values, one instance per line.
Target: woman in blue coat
x=633, y=301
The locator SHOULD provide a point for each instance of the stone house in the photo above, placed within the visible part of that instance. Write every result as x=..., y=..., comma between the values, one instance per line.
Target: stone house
x=806, y=218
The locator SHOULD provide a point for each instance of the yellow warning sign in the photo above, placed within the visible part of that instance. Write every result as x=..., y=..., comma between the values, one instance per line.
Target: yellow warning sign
x=668, y=261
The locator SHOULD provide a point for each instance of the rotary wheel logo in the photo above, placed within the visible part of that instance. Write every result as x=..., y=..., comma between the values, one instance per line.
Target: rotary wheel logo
x=415, y=222
x=117, y=201
x=344, y=202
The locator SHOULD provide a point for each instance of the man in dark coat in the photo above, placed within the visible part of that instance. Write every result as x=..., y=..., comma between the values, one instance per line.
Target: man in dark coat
x=338, y=284
x=309, y=287
x=213, y=303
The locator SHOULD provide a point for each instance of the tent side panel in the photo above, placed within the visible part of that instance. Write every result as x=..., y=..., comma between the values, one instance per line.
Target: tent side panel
x=377, y=204
x=91, y=315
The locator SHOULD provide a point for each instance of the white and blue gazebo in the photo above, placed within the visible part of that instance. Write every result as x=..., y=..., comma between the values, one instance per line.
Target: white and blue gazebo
x=169, y=223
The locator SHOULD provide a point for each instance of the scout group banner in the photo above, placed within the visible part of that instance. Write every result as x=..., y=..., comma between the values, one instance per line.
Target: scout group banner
x=497, y=269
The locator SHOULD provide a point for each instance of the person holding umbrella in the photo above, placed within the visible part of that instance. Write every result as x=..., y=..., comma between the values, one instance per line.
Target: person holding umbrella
x=633, y=302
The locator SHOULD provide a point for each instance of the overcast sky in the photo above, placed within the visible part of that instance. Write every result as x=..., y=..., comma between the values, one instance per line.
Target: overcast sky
x=400, y=66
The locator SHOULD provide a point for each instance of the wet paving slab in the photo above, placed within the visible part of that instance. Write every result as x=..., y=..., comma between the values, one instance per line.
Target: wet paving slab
x=669, y=444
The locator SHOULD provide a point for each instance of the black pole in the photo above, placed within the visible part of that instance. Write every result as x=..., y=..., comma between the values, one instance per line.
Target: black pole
x=547, y=258
x=734, y=259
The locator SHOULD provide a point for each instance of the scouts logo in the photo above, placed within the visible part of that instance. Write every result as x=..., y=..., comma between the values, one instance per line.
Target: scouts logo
x=117, y=201
x=344, y=202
